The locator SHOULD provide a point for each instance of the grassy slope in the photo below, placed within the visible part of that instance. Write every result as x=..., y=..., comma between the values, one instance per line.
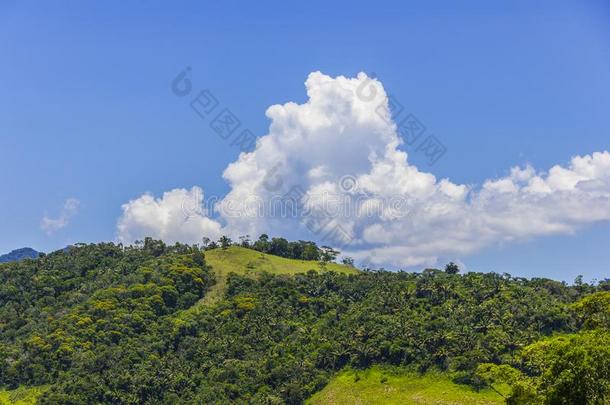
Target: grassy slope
x=250, y=262
x=21, y=396
x=399, y=387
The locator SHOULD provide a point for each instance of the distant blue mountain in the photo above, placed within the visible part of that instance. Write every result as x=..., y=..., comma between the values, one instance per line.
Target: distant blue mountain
x=19, y=254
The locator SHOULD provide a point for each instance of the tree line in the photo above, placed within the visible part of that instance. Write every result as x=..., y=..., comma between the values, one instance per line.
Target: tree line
x=298, y=250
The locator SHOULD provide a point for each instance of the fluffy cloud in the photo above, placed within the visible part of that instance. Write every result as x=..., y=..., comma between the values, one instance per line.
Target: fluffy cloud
x=178, y=216
x=339, y=157
x=69, y=210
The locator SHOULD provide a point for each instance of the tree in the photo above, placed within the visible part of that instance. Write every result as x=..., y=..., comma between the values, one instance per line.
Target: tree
x=582, y=287
x=348, y=261
x=572, y=369
x=279, y=247
x=295, y=250
x=154, y=247
x=328, y=254
x=452, y=268
x=224, y=241
x=244, y=241
x=310, y=251
x=594, y=310
x=509, y=382
x=262, y=244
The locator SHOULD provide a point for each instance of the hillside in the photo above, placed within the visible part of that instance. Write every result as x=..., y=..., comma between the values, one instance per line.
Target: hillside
x=385, y=385
x=106, y=323
x=19, y=254
x=250, y=263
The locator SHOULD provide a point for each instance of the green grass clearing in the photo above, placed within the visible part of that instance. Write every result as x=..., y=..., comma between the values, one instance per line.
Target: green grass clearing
x=249, y=262
x=21, y=395
x=389, y=385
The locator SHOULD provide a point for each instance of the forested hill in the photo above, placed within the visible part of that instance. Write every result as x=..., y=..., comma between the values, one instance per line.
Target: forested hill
x=19, y=254
x=107, y=323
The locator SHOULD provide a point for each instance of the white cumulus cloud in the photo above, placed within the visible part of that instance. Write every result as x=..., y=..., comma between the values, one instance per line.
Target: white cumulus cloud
x=341, y=151
x=178, y=216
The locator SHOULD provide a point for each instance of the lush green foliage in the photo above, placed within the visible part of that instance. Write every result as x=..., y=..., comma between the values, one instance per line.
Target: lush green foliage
x=69, y=309
x=566, y=368
x=112, y=324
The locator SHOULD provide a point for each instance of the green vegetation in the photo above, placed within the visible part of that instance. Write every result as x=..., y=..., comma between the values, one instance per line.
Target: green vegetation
x=250, y=263
x=385, y=385
x=565, y=368
x=21, y=396
x=107, y=323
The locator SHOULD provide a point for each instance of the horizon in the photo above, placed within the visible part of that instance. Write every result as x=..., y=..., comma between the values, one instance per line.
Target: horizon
x=461, y=271
x=475, y=134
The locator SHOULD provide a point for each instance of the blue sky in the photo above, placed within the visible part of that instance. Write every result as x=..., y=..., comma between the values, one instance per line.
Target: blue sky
x=87, y=112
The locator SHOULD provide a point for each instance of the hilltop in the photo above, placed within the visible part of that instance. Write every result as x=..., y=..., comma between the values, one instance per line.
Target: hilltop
x=250, y=263
x=19, y=254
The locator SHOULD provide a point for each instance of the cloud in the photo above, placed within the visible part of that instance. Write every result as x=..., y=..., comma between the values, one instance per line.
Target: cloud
x=388, y=212
x=69, y=210
x=178, y=216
